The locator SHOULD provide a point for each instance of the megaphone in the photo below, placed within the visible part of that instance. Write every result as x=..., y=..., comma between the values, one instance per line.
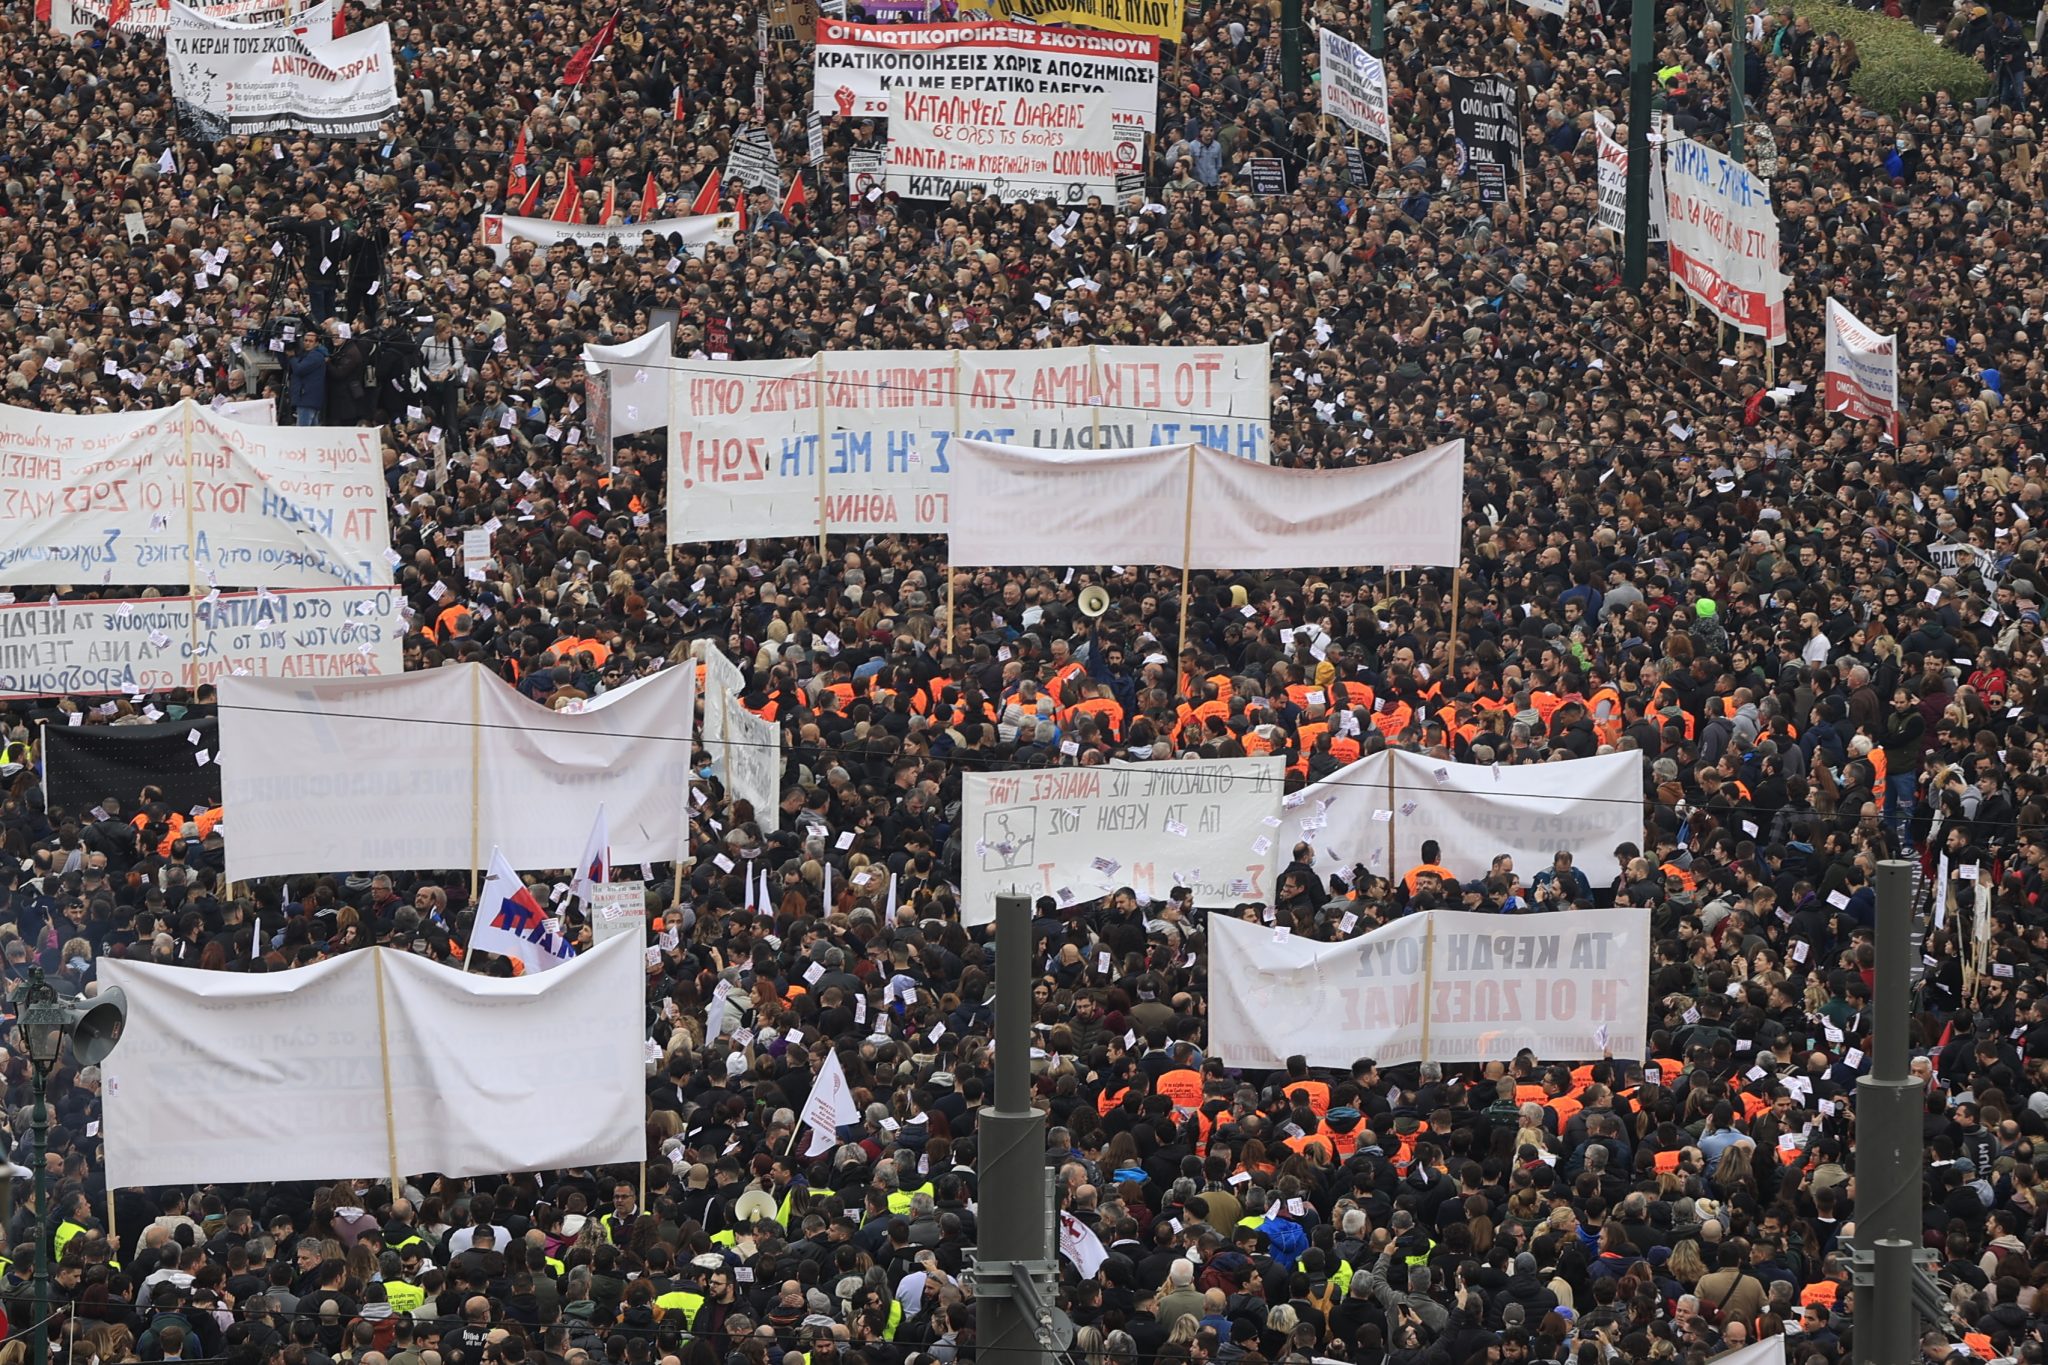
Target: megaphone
x=96, y=1024
x=1093, y=601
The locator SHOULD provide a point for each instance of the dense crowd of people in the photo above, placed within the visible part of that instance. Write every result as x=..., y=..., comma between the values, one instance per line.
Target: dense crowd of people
x=1825, y=638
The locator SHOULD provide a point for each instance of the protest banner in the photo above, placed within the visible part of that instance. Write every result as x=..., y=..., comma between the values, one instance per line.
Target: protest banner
x=1067, y=148
x=1354, y=87
x=155, y=16
x=792, y=21
x=1862, y=375
x=1441, y=986
x=1076, y=834
x=1346, y=818
x=686, y=236
x=865, y=169
x=1561, y=8
x=1952, y=557
x=857, y=66
x=638, y=377
x=1475, y=811
x=1611, y=212
x=722, y=679
x=412, y=771
x=269, y=80
x=186, y=496
x=753, y=161
x=1723, y=232
x=130, y=645
x=261, y=412
x=1485, y=119
x=83, y=765
x=1161, y=18
x=744, y=439
x=754, y=762
x=619, y=909
x=1188, y=506
x=374, y=1062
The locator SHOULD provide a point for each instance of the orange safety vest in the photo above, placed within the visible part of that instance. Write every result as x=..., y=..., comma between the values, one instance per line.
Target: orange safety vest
x=1318, y=1094
x=1182, y=1086
x=921, y=702
x=1106, y=1101
x=1530, y=1094
x=1256, y=744
x=1394, y=719
x=1606, y=709
x=1822, y=1292
x=1666, y=1161
x=1056, y=686
x=1306, y=738
x=1564, y=1106
x=1420, y=868
x=1300, y=1146
x=1345, y=749
x=1109, y=712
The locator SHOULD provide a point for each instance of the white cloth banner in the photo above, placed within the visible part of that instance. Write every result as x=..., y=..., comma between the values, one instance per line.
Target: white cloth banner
x=499, y=231
x=856, y=66
x=110, y=647
x=1067, y=148
x=1862, y=376
x=226, y=1077
x=1611, y=215
x=169, y=495
x=754, y=765
x=1354, y=87
x=1079, y=833
x=152, y=17
x=1190, y=506
x=1561, y=8
x=1585, y=806
x=722, y=678
x=643, y=371
x=257, y=412
x=830, y=1107
x=1723, y=233
x=428, y=770
x=1345, y=818
x=744, y=436
x=271, y=80
x=1472, y=987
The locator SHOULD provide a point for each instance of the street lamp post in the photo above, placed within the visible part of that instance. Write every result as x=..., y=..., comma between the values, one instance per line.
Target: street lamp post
x=45, y=1021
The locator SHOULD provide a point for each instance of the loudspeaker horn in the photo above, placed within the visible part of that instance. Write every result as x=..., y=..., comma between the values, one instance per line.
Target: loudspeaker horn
x=1093, y=601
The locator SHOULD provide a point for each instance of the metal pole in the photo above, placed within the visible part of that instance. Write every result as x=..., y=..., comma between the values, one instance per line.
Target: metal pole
x=39, y=1127
x=1738, y=53
x=1889, y=1103
x=1011, y=1164
x=1379, y=28
x=1642, y=59
x=1290, y=46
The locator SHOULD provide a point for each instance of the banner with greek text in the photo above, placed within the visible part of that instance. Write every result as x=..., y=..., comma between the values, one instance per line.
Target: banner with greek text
x=1354, y=87
x=1862, y=376
x=754, y=764
x=154, y=17
x=744, y=436
x=271, y=80
x=373, y=1058
x=1486, y=120
x=183, y=495
x=109, y=647
x=1066, y=148
x=1077, y=834
x=1724, y=238
x=690, y=235
x=856, y=66
x=1476, y=811
x=1161, y=18
x=1440, y=986
x=427, y=771
x=1194, y=507
x=1612, y=212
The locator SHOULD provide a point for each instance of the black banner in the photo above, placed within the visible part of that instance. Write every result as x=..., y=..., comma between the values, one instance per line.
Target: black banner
x=84, y=765
x=1487, y=123
x=1266, y=175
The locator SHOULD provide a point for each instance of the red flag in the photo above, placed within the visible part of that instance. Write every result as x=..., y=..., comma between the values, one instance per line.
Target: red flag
x=679, y=104
x=650, y=198
x=740, y=205
x=532, y=199
x=611, y=204
x=797, y=197
x=578, y=69
x=340, y=29
x=568, y=208
x=515, y=182
x=707, y=198
x=117, y=10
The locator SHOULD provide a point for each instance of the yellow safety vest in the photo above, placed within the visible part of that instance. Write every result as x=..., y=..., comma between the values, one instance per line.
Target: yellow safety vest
x=681, y=1301
x=66, y=1230
x=403, y=1297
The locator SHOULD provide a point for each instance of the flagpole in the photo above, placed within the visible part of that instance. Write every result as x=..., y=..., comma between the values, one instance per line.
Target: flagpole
x=476, y=720
x=821, y=455
x=384, y=1060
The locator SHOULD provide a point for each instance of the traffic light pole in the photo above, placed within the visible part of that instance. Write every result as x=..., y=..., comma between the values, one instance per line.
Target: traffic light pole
x=1889, y=1105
